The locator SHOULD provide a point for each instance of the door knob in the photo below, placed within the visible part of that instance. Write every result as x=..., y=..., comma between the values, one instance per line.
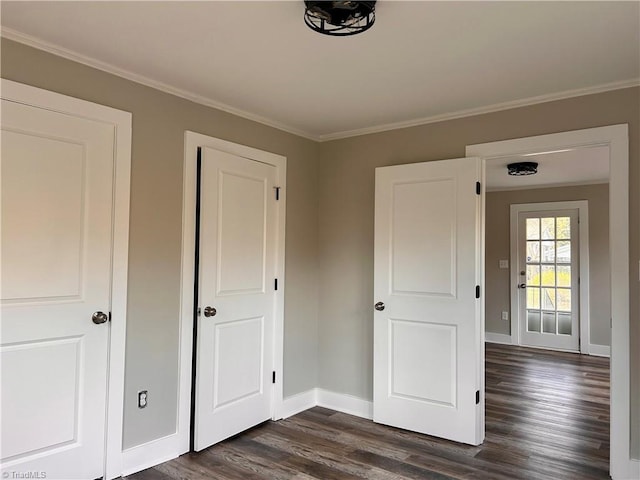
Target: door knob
x=210, y=312
x=522, y=285
x=379, y=306
x=99, y=317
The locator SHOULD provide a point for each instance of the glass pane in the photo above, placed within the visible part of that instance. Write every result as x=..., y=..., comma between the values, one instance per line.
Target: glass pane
x=564, y=252
x=548, y=275
x=548, y=298
x=533, y=228
x=564, y=323
x=533, y=297
x=548, y=229
x=533, y=252
x=548, y=252
x=563, y=275
x=563, y=227
x=564, y=299
x=533, y=321
x=548, y=322
x=533, y=275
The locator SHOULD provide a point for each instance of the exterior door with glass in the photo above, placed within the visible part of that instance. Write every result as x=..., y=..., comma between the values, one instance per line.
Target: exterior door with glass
x=548, y=279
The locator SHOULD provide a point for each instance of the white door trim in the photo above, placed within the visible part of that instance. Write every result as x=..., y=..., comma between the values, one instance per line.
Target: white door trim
x=583, y=214
x=617, y=138
x=121, y=122
x=192, y=142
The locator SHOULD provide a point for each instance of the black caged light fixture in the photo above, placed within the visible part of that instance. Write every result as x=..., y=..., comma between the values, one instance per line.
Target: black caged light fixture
x=519, y=169
x=339, y=18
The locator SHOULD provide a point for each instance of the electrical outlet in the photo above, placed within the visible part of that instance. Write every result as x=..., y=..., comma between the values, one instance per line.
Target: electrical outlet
x=504, y=263
x=142, y=399
x=505, y=315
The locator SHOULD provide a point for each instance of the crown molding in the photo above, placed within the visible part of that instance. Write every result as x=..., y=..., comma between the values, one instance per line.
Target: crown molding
x=208, y=102
x=634, y=82
x=40, y=44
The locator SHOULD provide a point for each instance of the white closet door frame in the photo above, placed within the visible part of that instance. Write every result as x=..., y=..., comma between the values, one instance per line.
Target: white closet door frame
x=191, y=143
x=121, y=122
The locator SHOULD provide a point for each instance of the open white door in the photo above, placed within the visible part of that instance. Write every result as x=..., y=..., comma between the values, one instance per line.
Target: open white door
x=428, y=351
x=57, y=234
x=238, y=225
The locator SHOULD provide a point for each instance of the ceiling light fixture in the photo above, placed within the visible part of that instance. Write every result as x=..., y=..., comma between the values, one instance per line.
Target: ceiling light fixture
x=519, y=169
x=339, y=18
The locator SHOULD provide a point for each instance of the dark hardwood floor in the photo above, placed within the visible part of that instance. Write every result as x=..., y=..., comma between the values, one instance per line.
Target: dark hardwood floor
x=547, y=417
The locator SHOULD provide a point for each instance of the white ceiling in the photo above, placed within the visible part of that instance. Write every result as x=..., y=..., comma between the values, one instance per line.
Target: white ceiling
x=578, y=166
x=420, y=62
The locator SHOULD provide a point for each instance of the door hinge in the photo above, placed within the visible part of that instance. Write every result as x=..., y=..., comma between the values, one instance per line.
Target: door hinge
x=477, y=188
x=277, y=189
x=273, y=377
x=275, y=283
x=477, y=291
x=477, y=397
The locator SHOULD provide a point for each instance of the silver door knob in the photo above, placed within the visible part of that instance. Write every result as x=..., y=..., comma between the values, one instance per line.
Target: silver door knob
x=210, y=312
x=379, y=306
x=522, y=285
x=99, y=317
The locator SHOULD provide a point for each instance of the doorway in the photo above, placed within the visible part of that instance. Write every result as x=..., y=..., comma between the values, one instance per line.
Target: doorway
x=615, y=139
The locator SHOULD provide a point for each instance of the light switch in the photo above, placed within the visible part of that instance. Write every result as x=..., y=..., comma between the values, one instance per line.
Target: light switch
x=504, y=263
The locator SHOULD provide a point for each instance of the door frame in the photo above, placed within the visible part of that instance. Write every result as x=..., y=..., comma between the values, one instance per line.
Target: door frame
x=192, y=141
x=583, y=268
x=616, y=137
x=121, y=122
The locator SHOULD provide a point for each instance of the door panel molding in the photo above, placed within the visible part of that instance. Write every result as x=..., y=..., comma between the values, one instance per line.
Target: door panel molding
x=121, y=122
x=194, y=140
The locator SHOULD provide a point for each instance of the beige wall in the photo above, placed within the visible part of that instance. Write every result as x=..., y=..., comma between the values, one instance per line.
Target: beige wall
x=346, y=219
x=497, y=247
x=159, y=123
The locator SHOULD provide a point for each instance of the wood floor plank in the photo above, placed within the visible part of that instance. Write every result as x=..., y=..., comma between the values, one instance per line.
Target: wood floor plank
x=547, y=418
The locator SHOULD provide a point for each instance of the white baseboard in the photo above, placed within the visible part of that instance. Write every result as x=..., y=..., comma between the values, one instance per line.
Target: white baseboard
x=491, y=337
x=299, y=402
x=150, y=454
x=599, y=350
x=345, y=403
x=630, y=471
x=318, y=397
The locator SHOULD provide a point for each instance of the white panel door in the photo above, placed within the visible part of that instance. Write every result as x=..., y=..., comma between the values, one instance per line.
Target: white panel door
x=57, y=195
x=548, y=288
x=427, y=323
x=236, y=296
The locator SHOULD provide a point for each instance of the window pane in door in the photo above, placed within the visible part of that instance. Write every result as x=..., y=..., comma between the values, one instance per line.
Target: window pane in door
x=548, y=298
x=533, y=228
x=548, y=252
x=533, y=297
x=564, y=323
x=533, y=252
x=533, y=321
x=549, y=322
x=548, y=276
x=564, y=299
x=548, y=228
x=563, y=228
x=563, y=275
x=533, y=275
x=564, y=252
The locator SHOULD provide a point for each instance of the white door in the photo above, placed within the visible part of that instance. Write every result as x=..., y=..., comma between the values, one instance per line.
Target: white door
x=238, y=227
x=548, y=290
x=428, y=352
x=57, y=195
